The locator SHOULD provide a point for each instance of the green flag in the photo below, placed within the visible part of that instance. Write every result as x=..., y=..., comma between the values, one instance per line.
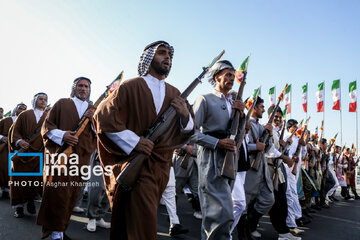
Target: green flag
x=7, y=114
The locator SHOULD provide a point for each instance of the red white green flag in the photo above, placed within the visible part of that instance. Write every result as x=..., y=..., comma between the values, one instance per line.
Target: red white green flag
x=335, y=90
x=251, y=99
x=287, y=99
x=304, y=97
x=284, y=114
x=353, y=96
x=239, y=74
x=116, y=83
x=300, y=128
x=316, y=133
x=333, y=139
x=272, y=96
x=320, y=98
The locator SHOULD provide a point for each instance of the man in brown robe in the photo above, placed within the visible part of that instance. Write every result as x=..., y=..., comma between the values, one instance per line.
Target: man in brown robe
x=24, y=136
x=1, y=113
x=120, y=124
x=60, y=193
x=5, y=125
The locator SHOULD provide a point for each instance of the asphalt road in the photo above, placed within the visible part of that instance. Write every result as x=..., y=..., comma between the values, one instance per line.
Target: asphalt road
x=340, y=222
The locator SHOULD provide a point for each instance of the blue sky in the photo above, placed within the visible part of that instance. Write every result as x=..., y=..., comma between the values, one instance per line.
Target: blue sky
x=47, y=44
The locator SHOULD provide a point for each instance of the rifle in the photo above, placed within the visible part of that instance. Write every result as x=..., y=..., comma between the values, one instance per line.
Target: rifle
x=29, y=139
x=291, y=135
x=312, y=155
x=297, y=152
x=282, y=135
x=67, y=149
x=322, y=130
x=241, y=134
x=276, y=163
x=338, y=159
x=331, y=143
x=356, y=163
x=129, y=175
x=228, y=167
x=185, y=161
x=85, y=120
x=266, y=134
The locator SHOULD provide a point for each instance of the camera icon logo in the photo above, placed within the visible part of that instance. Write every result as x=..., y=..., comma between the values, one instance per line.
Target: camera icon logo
x=16, y=153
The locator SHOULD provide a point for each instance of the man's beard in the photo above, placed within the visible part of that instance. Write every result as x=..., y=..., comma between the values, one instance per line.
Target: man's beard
x=158, y=69
x=277, y=123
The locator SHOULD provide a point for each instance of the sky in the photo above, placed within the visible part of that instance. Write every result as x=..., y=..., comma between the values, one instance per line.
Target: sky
x=45, y=45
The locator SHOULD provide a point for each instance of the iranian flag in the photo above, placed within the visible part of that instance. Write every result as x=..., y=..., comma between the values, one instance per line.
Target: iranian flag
x=335, y=90
x=251, y=99
x=115, y=84
x=316, y=133
x=320, y=97
x=287, y=99
x=284, y=113
x=352, y=93
x=272, y=96
x=240, y=73
x=304, y=97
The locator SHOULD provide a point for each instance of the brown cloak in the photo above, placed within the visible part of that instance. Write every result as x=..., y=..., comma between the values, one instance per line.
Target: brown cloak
x=131, y=106
x=5, y=125
x=59, y=201
x=24, y=127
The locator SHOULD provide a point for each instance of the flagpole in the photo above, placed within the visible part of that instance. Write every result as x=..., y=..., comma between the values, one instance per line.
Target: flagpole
x=340, y=112
x=356, y=112
x=307, y=104
x=324, y=111
x=357, y=141
x=290, y=101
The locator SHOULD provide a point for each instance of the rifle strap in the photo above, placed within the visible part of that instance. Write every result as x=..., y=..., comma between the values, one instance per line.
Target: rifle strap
x=33, y=134
x=253, y=135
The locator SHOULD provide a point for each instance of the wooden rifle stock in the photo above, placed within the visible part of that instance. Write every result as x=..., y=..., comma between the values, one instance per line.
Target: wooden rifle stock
x=238, y=139
x=67, y=149
x=129, y=175
x=30, y=139
x=338, y=159
x=282, y=135
x=297, y=152
x=228, y=167
x=291, y=135
x=185, y=161
x=242, y=127
x=264, y=138
x=276, y=162
x=356, y=163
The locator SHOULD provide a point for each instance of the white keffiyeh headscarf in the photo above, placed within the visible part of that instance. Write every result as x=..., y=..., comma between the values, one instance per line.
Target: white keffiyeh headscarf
x=17, y=107
x=33, y=102
x=74, y=86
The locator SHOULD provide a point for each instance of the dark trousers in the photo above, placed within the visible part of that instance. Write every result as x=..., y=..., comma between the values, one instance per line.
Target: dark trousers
x=279, y=210
x=308, y=190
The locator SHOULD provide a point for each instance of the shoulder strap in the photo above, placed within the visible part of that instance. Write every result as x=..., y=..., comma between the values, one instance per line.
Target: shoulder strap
x=253, y=135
